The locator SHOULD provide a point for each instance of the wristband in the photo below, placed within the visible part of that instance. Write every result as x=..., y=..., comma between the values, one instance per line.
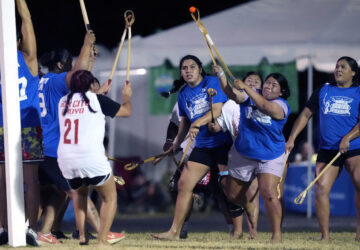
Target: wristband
x=220, y=74
x=170, y=140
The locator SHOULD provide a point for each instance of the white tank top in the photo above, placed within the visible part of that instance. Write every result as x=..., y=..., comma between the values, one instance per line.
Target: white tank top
x=81, y=151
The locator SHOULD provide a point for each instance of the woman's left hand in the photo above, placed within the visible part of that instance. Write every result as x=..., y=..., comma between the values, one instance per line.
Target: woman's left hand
x=238, y=84
x=193, y=131
x=344, y=145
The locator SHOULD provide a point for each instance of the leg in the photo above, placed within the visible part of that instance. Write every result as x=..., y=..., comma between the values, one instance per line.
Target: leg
x=3, y=209
x=252, y=208
x=353, y=167
x=79, y=198
x=60, y=214
x=92, y=216
x=191, y=174
x=236, y=220
x=32, y=194
x=322, y=190
x=238, y=193
x=268, y=190
x=282, y=202
x=56, y=200
x=107, y=192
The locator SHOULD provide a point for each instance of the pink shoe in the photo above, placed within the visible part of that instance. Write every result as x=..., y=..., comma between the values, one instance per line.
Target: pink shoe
x=49, y=239
x=112, y=238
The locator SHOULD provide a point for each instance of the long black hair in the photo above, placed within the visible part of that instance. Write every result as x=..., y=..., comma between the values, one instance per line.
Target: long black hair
x=353, y=65
x=80, y=82
x=176, y=86
x=284, y=86
x=51, y=58
x=196, y=60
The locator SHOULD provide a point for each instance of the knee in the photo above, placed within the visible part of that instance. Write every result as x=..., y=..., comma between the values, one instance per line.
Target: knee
x=183, y=185
x=268, y=193
x=232, y=197
x=321, y=190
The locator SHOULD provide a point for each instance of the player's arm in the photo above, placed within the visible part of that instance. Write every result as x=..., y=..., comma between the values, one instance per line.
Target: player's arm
x=126, y=107
x=28, y=42
x=231, y=93
x=345, y=141
x=272, y=109
x=84, y=59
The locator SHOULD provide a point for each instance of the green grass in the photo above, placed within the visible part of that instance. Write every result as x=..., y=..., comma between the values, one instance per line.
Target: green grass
x=220, y=240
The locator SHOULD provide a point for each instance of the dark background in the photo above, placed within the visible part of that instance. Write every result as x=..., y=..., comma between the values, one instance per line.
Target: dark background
x=59, y=23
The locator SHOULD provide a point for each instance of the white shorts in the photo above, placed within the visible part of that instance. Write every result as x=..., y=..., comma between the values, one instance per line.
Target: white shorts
x=245, y=169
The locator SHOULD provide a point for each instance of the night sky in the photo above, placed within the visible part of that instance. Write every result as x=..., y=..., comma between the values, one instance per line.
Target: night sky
x=59, y=23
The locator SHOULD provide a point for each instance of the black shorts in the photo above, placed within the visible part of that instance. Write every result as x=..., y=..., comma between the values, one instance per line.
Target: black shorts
x=50, y=174
x=326, y=156
x=211, y=157
x=94, y=181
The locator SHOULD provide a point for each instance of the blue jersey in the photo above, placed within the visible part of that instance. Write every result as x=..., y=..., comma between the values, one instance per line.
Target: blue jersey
x=52, y=87
x=195, y=103
x=260, y=136
x=28, y=95
x=338, y=115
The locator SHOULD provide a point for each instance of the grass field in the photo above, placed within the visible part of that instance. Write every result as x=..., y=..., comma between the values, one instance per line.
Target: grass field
x=220, y=240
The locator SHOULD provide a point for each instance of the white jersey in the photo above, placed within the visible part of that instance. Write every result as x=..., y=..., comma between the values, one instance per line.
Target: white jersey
x=81, y=152
x=230, y=117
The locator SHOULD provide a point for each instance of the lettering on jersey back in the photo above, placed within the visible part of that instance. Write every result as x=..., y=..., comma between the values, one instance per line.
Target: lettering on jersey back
x=75, y=107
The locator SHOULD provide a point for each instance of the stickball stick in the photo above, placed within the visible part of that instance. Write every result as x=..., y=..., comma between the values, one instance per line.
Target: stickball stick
x=117, y=57
x=84, y=14
x=129, y=19
x=132, y=165
x=208, y=40
x=298, y=200
x=119, y=180
x=184, y=154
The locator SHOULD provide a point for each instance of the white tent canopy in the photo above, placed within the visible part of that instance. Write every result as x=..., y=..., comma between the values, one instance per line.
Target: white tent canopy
x=280, y=30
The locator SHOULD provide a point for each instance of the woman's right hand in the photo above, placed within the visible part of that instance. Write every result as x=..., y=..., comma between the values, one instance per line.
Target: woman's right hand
x=90, y=37
x=289, y=146
x=127, y=91
x=217, y=70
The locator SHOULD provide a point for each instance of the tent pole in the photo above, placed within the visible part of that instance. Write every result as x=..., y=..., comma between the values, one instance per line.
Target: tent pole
x=12, y=128
x=310, y=84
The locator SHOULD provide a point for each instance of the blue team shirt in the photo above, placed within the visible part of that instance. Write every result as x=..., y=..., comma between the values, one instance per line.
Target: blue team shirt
x=195, y=103
x=338, y=115
x=52, y=87
x=260, y=136
x=28, y=95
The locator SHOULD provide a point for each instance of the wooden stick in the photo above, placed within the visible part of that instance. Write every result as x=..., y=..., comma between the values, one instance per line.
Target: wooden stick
x=128, y=56
x=117, y=56
x=84, y=14
x=211, y=44
x=298, y=200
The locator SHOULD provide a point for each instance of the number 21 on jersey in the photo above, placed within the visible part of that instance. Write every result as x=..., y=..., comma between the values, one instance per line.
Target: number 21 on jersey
x=71, y=126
